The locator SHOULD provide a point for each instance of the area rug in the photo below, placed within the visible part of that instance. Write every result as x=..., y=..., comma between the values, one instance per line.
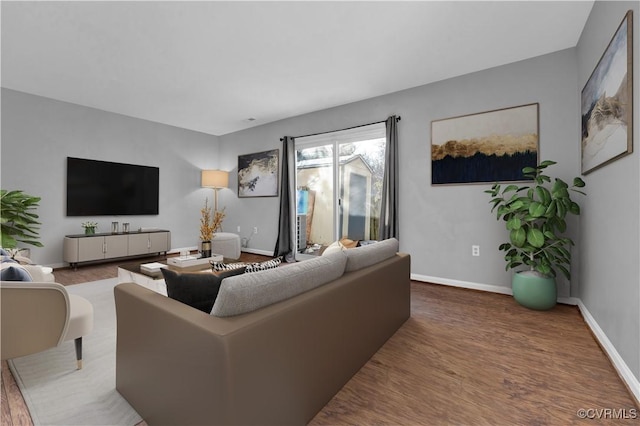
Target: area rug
x=58, y=394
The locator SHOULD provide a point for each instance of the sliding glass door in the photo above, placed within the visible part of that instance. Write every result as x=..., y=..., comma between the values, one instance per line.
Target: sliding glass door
x=339, y=183
x=315, y=198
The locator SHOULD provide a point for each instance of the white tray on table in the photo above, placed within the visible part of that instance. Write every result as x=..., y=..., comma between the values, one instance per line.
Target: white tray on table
x=191, y=261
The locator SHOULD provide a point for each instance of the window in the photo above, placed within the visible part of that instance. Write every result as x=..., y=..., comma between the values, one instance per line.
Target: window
x=339, y=184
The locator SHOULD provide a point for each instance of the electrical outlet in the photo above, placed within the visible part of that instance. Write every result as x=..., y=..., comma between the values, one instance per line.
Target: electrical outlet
x=475, y=250
x=238, y=228
x=255, y=229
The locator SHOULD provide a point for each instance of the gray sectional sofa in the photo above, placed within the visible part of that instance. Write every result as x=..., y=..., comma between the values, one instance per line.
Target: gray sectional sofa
x=278, y=345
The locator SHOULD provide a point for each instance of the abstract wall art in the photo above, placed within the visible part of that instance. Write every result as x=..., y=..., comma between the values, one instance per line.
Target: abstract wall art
x=258, y=174
x=491, y=146
x=607, y=103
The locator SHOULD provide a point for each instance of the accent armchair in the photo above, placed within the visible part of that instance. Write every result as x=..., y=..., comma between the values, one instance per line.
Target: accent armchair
x=36, y=316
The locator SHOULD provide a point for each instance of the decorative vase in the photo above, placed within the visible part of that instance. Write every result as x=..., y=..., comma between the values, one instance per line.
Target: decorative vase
x=90, y=230
x=206, y=249
x=534, y=291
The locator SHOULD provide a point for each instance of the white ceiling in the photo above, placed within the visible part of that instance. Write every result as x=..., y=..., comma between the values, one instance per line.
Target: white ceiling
x=209, y=66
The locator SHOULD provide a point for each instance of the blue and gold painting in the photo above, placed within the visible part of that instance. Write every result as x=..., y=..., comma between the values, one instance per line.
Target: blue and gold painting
x=487, y=147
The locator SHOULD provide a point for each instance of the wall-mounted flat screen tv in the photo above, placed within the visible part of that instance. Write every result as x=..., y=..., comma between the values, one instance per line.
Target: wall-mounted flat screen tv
x=101, y=188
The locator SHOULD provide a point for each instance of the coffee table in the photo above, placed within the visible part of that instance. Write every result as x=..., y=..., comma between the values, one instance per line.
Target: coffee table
x=131, y=272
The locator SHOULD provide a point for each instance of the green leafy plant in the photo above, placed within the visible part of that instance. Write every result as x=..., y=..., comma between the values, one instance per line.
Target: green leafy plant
x=18, y=221
x=535, y=218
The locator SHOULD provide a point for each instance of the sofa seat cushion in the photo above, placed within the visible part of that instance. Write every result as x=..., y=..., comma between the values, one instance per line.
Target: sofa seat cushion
x=248, y=292
x=198, y=290
x=364, y=256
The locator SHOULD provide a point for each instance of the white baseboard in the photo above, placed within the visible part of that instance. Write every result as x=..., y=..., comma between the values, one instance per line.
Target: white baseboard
x=244, y=249
x=257, y=251
x=618, y=363
x=574, y=301
x=171, y=251
x=462, y=284
x=176, y=251
x=179, y=249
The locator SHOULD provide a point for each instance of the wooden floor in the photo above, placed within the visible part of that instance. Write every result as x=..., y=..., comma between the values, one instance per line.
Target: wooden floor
x=463, y=358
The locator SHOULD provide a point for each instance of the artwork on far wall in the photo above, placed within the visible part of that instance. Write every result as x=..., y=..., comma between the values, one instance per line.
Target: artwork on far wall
x=491, y=146
x=607, y=103
x=258, y=174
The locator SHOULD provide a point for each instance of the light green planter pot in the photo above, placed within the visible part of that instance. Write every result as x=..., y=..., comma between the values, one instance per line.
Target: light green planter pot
x=533, y=291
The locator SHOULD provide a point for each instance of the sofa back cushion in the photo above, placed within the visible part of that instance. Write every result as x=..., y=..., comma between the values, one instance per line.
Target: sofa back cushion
x=248, y=292
x=361, y=257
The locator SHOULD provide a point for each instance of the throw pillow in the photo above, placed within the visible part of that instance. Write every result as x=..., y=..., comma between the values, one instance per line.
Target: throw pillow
x=250, y=267
x=14, y=272
x=349, y=243
x=198, y=290
x=221, y=266
x=333, y=247
x=263, y=266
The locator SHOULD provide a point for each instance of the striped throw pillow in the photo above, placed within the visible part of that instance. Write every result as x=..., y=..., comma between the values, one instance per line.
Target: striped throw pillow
x=251, y=266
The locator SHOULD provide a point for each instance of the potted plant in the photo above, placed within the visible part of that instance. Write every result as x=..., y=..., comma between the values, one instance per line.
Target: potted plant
x=534, y=215
x=18, y=220
x=89, y=227
x=208, y=226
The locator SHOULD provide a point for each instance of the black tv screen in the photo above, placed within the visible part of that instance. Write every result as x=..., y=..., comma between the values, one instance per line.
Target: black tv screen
x=100, y=188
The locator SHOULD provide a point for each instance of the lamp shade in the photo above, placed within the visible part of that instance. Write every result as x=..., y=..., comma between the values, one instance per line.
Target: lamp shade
x=215, y=179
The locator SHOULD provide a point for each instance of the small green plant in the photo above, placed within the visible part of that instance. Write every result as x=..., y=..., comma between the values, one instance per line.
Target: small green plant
x=535, y=218
x=18, y=221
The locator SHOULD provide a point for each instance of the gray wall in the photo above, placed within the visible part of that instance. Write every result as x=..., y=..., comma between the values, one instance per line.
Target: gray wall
x=610, y=284
x=439, y=224
x=39, y=133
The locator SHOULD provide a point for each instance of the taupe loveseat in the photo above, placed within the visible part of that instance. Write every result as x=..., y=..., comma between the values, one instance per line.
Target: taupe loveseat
x=278, y=364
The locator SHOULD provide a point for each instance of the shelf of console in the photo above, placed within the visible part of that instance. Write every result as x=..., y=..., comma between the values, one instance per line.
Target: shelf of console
x=81, y=248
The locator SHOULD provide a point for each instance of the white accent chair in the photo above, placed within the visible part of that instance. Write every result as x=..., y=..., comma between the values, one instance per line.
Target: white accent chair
x=35, y=316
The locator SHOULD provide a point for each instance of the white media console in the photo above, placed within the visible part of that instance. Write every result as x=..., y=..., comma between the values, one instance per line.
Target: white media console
x=87, y=248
